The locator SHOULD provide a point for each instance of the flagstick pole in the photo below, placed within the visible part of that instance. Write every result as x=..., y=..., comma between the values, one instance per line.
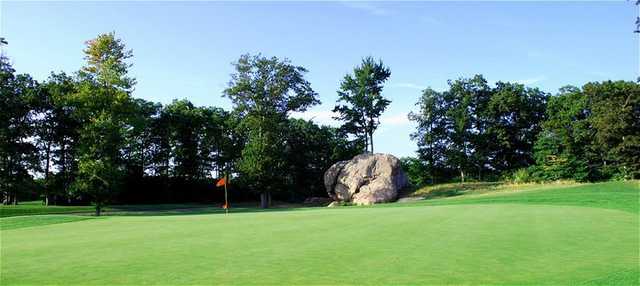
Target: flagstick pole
x=226, y=202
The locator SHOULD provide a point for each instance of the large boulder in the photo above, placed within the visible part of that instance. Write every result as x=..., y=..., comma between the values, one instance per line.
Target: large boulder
x=365, y=179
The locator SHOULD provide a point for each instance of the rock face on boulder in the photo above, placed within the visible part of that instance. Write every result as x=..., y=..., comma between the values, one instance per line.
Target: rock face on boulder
x=365, y=179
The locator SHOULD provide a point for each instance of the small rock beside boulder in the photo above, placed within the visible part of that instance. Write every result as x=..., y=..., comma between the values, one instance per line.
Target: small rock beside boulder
x=365, y=179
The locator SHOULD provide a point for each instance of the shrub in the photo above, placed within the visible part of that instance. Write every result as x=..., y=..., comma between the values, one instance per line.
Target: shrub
x=521, y=176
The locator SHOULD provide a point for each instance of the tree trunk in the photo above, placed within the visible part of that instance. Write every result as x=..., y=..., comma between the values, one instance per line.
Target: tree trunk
x=366, y=143
x=264, y=200
x=46, y=174
x=98, y=209
x=462, y=176
x=371, y=138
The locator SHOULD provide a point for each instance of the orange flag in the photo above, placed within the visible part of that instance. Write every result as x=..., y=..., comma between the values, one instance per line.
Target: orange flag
x=222, y=182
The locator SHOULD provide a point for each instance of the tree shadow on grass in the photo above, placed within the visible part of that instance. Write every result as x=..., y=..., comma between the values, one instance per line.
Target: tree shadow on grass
x=194, y=209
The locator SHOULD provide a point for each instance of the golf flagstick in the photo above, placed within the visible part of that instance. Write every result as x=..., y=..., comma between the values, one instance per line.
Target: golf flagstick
x=226, y=202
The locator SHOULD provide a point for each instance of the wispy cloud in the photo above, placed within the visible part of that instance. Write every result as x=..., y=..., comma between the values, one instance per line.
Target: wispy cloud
x=409, y=85
x=366, y=7
x=532, y=80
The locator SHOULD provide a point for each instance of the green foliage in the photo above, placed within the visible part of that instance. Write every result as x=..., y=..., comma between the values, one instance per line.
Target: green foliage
x=269, y=87
x=83, y=138
x=18, y=123
x=363, y=103
x=310, y=151
x=58, y=135
x=104, y=106
x=616, y=119
x=591, y=133
x=477, y=130
x=99, y=176
x=263, y=91
x=263, y=161
x=93, y=142
x=521, y=176
x=512, y=119
x=106, y=58
x=416, y=170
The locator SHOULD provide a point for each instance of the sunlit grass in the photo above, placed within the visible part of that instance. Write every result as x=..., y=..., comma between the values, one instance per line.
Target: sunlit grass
x=585, y=234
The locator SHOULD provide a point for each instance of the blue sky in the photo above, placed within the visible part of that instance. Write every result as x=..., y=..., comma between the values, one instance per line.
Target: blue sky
x=185, y=49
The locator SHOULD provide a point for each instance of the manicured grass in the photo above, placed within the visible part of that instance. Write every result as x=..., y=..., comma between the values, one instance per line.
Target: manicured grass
x=612, y=195
x=527, y=238
x=38, y=220
x=36, y=208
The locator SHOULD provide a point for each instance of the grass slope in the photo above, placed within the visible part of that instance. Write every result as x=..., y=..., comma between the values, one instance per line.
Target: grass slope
x=612, y=195
x=517, y=240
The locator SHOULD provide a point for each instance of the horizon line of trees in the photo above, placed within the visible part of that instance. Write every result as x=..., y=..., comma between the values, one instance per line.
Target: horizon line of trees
x=512, y=132
x=83, y=137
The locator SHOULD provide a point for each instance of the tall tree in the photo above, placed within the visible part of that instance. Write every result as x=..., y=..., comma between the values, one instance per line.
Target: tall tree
x=362, y=101
x=463, y=100
x=58, y=135
x=104, y=106
x=563, y=148
x=18, y=153
x=616, y=119
x=431, y=134
x=264, y=91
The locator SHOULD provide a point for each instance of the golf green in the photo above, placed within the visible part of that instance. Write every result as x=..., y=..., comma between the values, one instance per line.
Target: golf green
x=505, y=243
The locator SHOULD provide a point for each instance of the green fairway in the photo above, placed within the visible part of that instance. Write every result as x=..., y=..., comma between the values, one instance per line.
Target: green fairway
x=579, y=235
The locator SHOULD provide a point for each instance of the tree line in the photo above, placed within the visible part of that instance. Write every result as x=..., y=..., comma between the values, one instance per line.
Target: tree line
x=82, y=137
x=476, y=131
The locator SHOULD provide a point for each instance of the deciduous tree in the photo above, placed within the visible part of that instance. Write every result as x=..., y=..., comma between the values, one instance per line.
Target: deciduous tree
x=264, y=91
x=360, y=101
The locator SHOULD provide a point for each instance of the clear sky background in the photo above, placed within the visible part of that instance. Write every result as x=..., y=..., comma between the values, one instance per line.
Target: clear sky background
x=185, y=49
